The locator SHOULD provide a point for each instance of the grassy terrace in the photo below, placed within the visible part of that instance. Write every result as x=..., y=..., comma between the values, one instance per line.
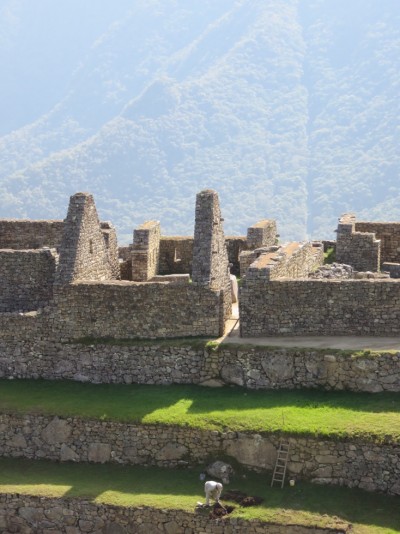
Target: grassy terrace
x=304, y=504
x=300, y=412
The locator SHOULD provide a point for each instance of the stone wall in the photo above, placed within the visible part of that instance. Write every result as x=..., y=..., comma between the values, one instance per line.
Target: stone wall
x=37, y=515
x=289, y=368
x=123, y=309
x=28, y=234
x=83, y=252
x=262, y=234
x=210, y=268
x=26, y=279
x=125, y=253
x=355, y=463
x=25, y=354
x=146, y=251
x=392, y=268
x=389, y=236
x=111, y=244
x=210, y=258
x=319, y=307
x=359, y=249
x=246, y=258
x=176, y=254
x=235, y=245
x=294, y=260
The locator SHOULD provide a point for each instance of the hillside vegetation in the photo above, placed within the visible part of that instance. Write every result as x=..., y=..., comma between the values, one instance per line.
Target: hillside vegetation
x=288, y=108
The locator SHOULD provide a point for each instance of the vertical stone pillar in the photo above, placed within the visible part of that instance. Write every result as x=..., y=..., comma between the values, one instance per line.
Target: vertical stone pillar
x=111, y=243
x=83, y=253
x=146, y=251
x=210, y=256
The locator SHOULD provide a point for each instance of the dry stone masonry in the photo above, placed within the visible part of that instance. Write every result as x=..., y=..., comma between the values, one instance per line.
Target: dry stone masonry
x=80, y=291
x=83, y=252
x=210, y=258
x=388, y=235
x=37, y=515
x=361, y=250
x=26, y=279
x=359, y=463
x=27, y=234
x=324, y=307
x=146, y=251
x=249, y=367
x=262, y=234
x=74, y=306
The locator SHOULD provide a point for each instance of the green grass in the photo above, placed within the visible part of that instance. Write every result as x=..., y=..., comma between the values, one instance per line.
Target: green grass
x=304, y=504
x=332, y=415
x=329, y=256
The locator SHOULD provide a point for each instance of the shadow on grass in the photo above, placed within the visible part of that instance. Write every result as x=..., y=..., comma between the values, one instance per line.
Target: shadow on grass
x=134, y=402
x=183, y=486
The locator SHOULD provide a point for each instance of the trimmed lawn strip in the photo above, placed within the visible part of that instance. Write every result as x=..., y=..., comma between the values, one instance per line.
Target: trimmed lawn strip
x=331, y=415
x=305, y=504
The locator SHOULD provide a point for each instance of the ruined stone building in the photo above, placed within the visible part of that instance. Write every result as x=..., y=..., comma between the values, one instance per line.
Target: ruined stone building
x=280, y=296
x=68, y=280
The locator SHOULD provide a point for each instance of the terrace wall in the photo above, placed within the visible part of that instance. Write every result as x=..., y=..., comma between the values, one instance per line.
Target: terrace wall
x=28, y=514
x=319, y=307
x=26, y=351
x=355, y=463
x=26, y=279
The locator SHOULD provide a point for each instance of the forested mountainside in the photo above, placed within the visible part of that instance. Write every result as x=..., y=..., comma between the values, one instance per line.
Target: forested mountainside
x=288, y=108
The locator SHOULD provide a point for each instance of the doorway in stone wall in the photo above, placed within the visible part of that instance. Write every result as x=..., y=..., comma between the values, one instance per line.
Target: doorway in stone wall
x=232, y=325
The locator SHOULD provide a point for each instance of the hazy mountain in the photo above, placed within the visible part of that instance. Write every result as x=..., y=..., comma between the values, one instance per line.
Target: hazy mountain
x=289, y=109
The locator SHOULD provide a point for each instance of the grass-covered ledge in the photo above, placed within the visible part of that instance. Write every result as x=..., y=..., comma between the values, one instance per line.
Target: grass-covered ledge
x=332, y=415
x=304, y=504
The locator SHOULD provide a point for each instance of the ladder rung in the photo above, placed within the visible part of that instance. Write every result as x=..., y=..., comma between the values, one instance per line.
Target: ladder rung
x=281, y=464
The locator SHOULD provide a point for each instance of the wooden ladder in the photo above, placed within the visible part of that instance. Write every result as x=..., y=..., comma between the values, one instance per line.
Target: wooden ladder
x=281, y=463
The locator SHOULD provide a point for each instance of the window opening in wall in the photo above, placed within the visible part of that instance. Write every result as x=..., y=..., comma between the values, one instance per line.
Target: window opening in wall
x=176, y=256
x=91, y=246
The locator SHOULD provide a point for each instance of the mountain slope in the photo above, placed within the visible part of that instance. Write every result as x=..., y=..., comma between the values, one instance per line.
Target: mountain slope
x=288, y=108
